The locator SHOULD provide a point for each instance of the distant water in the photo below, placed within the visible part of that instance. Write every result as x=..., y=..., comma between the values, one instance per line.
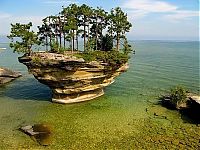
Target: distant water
x=124, y=118
x=3, y=39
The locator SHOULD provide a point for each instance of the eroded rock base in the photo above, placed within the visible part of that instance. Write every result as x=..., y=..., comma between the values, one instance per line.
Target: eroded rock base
x=80, y=97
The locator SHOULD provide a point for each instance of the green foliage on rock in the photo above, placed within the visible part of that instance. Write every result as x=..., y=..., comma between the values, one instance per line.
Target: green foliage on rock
x=126, y=47
x=90, y=45
x=178, y=95
x=107, y=43
x=54, y=47
x=114, y=59
x=36, y=60
x=25, y=38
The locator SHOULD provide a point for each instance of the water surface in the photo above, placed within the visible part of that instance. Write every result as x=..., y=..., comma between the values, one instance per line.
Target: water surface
x=121, y=119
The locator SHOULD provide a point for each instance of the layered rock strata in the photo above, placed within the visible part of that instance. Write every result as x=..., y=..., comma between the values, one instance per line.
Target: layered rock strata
x=7, y=75
x=71, y=79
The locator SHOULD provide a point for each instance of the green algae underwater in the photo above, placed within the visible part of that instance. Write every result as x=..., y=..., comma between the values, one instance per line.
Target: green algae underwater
x=124, y=118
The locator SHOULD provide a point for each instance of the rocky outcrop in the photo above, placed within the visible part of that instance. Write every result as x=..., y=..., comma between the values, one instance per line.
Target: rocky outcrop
x=195, y=99
x=71, y=79
x=190, y=99
x=190, y=107
x=7, y=75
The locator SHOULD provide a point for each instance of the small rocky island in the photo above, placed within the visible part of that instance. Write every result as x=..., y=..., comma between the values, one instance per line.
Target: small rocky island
x=75, y=75
x=7, y=75
x=185, y=102
x=179, y=98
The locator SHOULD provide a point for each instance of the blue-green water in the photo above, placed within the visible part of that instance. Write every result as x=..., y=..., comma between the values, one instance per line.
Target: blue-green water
x=121, y=119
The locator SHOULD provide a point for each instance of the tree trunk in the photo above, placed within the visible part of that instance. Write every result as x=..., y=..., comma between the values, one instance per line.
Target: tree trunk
x=60, y=40
x=46, y=43
x=56, y=34
x=84, y=35
x=49, y=35
x=60, y=30
x=96, y=33
x=77, y=39
x=64, y=33
x=29, y=51
x=72, y=44
x=73, y=40
x=101, y=36
x=64, y=40
x=50, y=41
x=112, y=32
x=88, y=31
x=117, y=41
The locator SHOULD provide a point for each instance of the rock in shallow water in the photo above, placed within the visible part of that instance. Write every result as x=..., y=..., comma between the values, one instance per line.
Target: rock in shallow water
x=189, y=108
x=7, y=75
x=195, y=98
x=71, y=79
x=42, y=133
x=191, y=98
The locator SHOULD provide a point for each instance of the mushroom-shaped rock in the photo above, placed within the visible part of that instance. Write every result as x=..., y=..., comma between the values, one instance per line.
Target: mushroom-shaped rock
x=71, y=79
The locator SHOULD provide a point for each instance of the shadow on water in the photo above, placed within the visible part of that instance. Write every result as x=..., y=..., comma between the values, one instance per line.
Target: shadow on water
x=28, y=89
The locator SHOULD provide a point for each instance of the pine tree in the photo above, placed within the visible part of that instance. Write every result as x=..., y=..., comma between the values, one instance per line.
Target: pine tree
x=85, y=13
x=27, y=38
x=120, y=24
x=45, y=32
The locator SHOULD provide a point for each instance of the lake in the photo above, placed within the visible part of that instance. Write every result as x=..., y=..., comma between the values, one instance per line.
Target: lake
x=124, y=118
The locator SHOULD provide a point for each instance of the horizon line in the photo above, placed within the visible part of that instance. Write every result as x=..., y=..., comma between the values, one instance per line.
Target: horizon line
x=139, y=39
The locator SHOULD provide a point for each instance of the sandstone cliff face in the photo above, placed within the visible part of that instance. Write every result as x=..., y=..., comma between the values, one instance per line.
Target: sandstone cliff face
x=71, y=79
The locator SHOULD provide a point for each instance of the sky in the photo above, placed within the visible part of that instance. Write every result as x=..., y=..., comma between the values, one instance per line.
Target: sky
x=151, y=19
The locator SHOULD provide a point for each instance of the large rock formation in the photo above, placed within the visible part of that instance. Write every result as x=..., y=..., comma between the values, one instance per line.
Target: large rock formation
x=7, y=75
x=71, y=79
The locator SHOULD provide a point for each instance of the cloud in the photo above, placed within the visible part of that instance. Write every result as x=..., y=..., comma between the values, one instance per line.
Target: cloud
x=59, y=2
x=26, y=19
x=149, y=5
x=141, y=8
x=181, y=14
x=4, y=15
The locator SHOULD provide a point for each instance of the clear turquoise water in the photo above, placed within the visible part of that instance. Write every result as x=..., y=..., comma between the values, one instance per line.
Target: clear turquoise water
x=121, y=119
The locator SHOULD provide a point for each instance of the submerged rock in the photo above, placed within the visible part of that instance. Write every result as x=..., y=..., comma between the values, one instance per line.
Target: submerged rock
x=28, y=130
x=7, y=75
x=42, y=133
x=71, y=79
